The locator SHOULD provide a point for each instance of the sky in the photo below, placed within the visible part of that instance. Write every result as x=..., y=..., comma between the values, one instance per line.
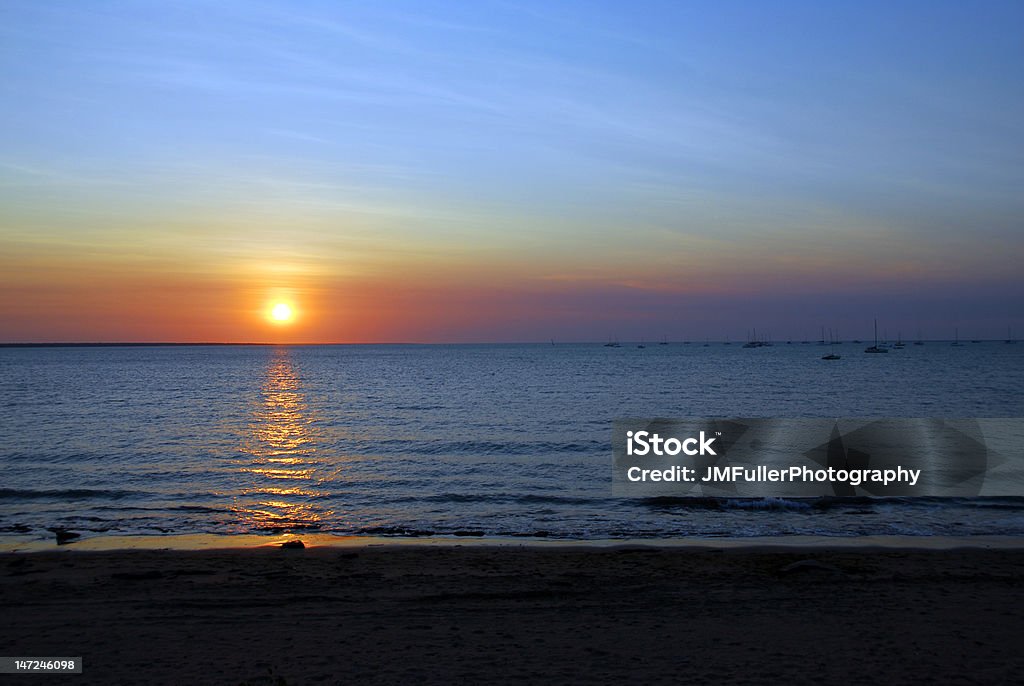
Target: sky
x=509, y=171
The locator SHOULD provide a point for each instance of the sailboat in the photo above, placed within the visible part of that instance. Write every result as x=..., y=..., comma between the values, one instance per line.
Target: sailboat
x=831, y=342
x=753, y=342
x=874, y=348
x=1009, y=336
x=899, y=340
x=956, y=337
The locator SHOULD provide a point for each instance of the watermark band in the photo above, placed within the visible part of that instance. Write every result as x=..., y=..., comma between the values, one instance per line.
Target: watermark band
x=818, y=457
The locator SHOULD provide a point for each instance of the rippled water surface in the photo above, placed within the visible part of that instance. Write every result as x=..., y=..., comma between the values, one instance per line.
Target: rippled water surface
x=408, y=440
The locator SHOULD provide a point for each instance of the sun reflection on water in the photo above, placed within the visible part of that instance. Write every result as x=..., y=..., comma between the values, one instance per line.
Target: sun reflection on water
x=281, y=455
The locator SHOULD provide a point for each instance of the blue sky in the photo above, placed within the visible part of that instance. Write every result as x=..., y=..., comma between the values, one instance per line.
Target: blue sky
x=649, y=150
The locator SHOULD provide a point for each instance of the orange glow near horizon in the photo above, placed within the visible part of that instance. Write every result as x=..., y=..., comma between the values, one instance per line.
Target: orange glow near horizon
x=59, y=298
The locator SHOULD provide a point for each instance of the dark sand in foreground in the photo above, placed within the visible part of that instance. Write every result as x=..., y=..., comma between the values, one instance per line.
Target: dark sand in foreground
x=440, y=615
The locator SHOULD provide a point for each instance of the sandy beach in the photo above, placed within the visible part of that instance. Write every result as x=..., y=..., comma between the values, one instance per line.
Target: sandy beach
x=479, y=614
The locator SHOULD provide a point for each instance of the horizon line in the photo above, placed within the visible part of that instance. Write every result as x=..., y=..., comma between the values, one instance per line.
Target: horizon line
x=697, y=342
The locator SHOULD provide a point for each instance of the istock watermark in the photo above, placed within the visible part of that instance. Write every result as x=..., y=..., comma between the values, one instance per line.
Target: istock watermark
x=818, y=457
x=644, y=442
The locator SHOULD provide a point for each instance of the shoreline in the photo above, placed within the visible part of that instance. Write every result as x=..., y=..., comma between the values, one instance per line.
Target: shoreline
x=213, y=542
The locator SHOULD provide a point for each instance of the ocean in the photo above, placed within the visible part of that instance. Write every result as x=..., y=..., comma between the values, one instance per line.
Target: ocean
x=450, y=440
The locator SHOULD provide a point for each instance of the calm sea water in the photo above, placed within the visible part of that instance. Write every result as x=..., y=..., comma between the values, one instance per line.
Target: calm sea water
x=501, y=440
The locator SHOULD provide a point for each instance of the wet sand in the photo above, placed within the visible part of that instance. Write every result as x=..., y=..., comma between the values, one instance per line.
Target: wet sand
x=478, y=614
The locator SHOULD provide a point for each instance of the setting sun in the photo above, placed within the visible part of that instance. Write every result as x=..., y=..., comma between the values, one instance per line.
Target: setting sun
x=282, y=313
